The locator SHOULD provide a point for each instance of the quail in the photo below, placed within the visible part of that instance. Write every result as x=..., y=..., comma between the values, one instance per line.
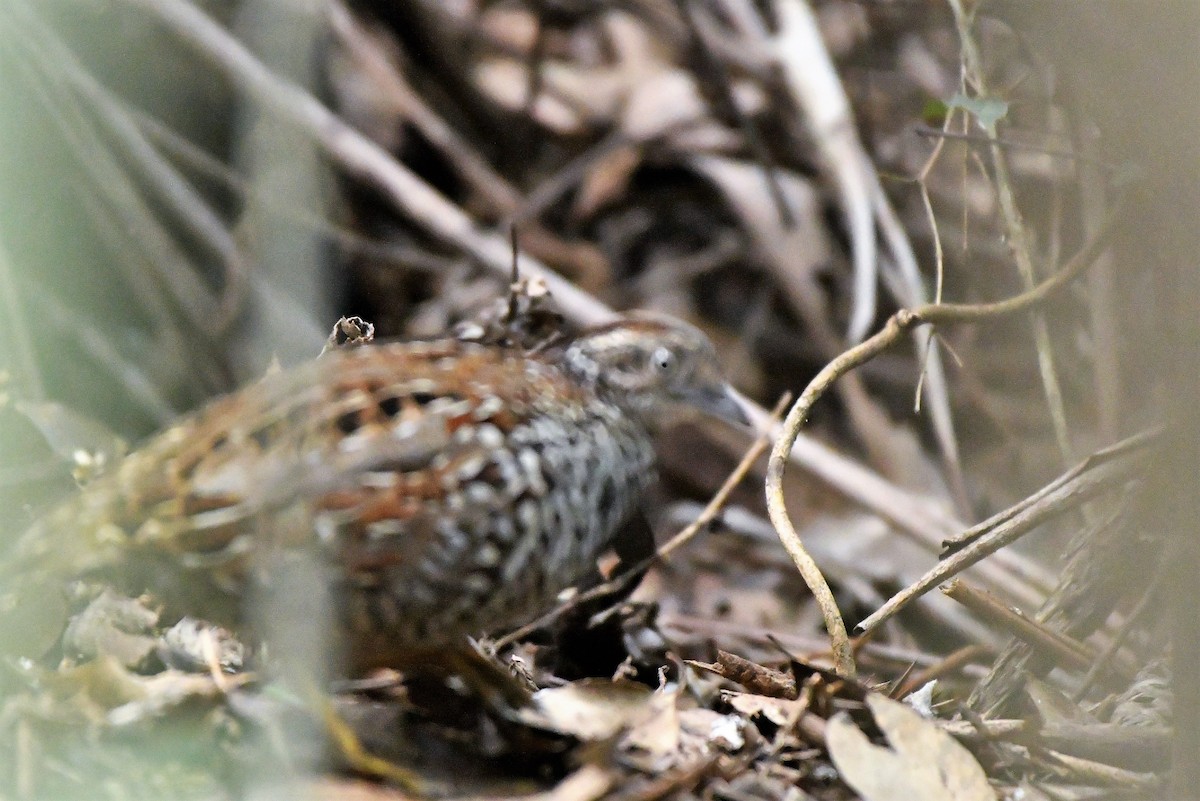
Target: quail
x=453, y=488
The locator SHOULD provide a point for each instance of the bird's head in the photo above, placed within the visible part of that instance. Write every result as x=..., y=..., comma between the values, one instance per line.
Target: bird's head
x=653, y=366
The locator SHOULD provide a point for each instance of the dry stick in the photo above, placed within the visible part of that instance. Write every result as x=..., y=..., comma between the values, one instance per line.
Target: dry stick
x=931, y=365
x=815, y=85
x=924, y=523
x=1139, y=747
x=1087, y=771
x=709, y=513
x=811, y=78
x=1065, y=650
x=891, y=334
x=960, y=658
x=808, y=647
x=706, y=516
x=551, y=188
x=1007, y=527
x=468, y=165
x=1083, y=481
x=502, y=198
x=940, y=134
x=360, y=156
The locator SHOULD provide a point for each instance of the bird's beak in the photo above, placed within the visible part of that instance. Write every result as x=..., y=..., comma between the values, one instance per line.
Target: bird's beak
x=719, y=400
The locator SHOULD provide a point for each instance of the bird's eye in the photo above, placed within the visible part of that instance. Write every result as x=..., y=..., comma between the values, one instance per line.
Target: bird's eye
x=663, y=359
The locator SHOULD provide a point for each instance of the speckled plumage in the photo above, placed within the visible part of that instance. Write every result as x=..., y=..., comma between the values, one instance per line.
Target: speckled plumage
x=456, y=488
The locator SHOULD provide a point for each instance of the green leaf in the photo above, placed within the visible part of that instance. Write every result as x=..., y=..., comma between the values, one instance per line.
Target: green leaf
x=934, y=111
x=988, y=110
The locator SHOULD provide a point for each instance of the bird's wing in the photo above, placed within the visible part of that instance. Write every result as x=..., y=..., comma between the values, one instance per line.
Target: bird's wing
x=356, y=451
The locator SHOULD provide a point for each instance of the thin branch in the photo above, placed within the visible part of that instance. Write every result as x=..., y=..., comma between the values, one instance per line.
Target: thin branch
x=1136, y=747
x=1072, y=478
x=709, y=513
x=467, y=164
x=812, y=80
x=1008, y=526
x=942, y=134
x=1105, y=657
x=952, y=663
x=931, y=365
x=200, y=161
x=1066, y=651
x=892, y=332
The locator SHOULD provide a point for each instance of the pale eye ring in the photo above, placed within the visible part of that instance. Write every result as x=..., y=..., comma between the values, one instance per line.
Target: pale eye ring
x=663, y=359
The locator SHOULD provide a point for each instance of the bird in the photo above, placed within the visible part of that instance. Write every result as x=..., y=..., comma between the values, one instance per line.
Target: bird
x=452, y=488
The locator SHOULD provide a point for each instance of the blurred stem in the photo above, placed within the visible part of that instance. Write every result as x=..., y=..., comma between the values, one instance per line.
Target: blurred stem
x=22, y=360
x=1018, y=239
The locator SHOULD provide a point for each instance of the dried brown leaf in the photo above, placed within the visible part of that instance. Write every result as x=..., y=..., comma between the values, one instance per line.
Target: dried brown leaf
x=607, y=180
x=923, y=762
x=591, y=709
x=779, y=711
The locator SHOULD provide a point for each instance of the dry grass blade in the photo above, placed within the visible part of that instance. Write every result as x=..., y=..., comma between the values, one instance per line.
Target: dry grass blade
x=18, y=331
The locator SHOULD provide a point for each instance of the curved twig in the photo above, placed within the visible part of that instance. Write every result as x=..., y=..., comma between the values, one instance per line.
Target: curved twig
x=892, y=332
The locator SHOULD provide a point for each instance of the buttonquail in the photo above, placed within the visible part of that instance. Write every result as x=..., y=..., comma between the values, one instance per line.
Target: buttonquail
x=454, y=488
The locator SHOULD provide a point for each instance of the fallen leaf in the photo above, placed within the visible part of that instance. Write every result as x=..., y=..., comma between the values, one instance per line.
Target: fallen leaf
x=607, y=180
x=712, y=730
x=656, y=731
x=590, y=709
x=923, y=762
x=779, y=711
